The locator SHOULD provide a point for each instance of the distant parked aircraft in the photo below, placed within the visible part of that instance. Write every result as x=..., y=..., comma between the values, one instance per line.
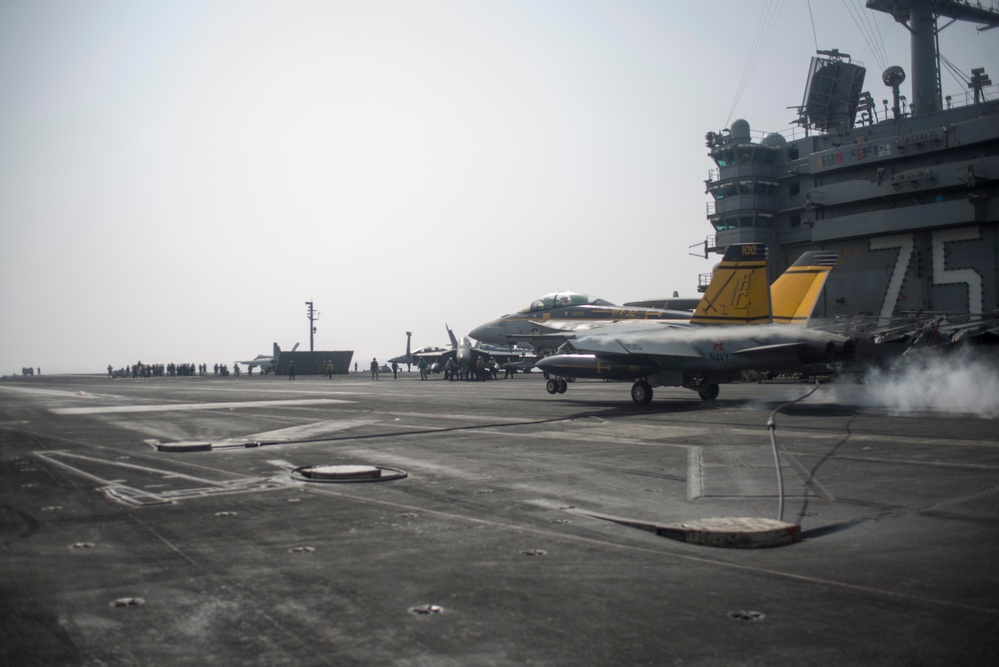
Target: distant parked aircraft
x=266, y=363
x=463, y=350
x=430, y=354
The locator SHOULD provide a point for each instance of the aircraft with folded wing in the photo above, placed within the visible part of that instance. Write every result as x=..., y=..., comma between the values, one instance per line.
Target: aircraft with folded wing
x=266, y=363
x=463, y=351
x=740, y=324
x=431, y=354
x=545, y=323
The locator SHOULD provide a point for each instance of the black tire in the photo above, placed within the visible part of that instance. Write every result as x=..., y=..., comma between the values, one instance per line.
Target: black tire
x=562, y=386
x=552, y=386
x=641, y=393
x=708, y=392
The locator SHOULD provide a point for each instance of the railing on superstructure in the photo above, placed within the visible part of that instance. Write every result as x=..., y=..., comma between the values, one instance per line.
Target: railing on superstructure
x=708, y=246
x=986, y=94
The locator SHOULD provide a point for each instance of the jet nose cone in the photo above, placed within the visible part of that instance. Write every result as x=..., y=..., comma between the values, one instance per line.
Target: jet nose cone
x=483, y=332
x=545, y=364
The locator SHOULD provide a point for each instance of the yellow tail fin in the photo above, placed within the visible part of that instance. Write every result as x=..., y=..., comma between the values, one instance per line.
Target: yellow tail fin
x=738, y=293
x=796, y=292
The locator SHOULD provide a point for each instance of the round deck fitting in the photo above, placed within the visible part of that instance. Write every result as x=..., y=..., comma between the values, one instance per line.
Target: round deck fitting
x=719, y=531
x=744, y=532
x=128, y=602
x=426, y=609
x=346, y=473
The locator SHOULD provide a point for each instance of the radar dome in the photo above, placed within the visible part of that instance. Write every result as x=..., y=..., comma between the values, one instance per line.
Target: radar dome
x=893, y=76
x=774, y=140
x=740, y=129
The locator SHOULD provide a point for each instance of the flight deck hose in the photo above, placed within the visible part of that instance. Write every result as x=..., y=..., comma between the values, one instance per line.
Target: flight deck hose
x=772, y=427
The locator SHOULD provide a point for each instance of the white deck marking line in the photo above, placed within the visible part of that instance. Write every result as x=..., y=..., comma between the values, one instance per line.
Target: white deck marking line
x=60, y=393
x=54, y=456
x=120, y=492
x=303, y=431
x=105, y=409
x=745, y=471
x=424, y=415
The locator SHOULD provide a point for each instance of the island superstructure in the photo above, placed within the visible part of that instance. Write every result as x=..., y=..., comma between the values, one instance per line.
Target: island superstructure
x=904, y=191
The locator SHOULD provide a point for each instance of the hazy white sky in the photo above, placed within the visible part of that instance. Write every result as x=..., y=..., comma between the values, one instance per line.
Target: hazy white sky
x=178, y=178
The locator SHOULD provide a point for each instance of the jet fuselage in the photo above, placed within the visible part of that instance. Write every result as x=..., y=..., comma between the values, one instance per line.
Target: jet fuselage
x=560, y=312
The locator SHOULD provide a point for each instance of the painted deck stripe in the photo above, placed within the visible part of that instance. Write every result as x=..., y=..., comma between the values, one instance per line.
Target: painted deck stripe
x=171, y=407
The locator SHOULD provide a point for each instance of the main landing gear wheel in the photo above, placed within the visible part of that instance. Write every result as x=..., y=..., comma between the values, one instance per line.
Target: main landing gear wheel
x=562, y=386
x=641, y=392
x=708, y=392
x=552, y=386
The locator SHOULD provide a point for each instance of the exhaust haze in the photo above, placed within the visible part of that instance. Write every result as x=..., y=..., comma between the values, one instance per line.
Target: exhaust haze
x=965, y=381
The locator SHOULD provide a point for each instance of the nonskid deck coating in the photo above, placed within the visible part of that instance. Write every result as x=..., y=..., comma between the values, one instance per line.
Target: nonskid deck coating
x=240, y=562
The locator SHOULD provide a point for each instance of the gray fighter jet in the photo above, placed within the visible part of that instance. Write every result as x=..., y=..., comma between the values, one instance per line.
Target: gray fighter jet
x=543, y=323
x=463, y=351
x=266, y=363
x=430, y=354
x=734, y=328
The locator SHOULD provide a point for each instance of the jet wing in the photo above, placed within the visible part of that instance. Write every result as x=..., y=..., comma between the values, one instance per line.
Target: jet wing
x=560, y=332
x=259, y=361
x=540, y=341
x=582, y=326
x=433, y=356
x=648, y=344
x=767, y=351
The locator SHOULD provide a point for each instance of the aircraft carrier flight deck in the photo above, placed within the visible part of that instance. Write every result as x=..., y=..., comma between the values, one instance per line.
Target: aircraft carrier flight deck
x=262, y=521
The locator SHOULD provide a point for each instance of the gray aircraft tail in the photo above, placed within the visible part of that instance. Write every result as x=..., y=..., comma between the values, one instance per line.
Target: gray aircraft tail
x=738, y=292
x=454, y=341
x=795, y=293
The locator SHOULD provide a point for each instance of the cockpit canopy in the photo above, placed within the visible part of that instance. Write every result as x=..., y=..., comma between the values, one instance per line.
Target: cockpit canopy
x=562, y=300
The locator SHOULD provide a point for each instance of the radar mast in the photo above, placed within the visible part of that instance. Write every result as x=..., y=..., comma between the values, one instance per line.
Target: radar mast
x=920, y=19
